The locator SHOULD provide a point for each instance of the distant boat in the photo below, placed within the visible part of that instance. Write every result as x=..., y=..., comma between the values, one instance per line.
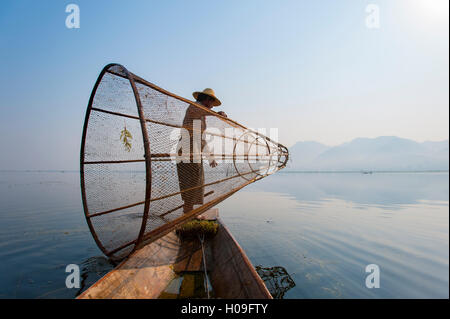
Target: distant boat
x=366, y=172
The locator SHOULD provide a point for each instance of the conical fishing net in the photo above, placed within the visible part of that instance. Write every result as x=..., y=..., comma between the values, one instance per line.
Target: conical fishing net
x=151, y=160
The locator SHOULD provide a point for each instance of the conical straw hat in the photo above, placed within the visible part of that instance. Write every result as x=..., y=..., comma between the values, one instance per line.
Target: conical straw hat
x=209, y=92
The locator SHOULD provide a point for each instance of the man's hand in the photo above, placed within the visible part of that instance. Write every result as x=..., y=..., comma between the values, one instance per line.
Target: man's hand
x=213, y=163
x=222, y=113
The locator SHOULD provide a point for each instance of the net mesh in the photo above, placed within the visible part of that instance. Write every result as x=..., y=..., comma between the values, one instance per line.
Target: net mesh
x=151, y=160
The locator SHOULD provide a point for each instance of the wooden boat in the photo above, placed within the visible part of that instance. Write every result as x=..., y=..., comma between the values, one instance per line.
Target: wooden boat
x=148, y=272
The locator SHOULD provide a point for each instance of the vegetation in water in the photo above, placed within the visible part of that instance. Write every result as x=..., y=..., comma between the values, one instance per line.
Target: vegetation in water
x=277, y=280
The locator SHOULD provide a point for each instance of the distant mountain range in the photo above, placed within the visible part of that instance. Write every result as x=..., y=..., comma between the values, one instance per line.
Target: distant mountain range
x=371, y=154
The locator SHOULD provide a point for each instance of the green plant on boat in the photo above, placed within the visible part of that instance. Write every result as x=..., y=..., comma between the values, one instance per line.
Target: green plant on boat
x=193, y=228
x=125, y=137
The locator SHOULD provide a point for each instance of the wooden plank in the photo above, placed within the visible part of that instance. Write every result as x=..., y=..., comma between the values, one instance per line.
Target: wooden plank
x=144, y=274
x=190, y=257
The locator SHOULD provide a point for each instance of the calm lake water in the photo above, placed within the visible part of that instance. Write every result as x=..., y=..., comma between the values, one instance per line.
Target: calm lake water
x=323, y=228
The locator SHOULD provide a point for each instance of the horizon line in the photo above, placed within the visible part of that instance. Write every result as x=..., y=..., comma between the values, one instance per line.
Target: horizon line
x=372, y=138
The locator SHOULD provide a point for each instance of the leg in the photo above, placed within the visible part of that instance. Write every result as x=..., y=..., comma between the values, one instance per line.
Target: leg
x=187, y=207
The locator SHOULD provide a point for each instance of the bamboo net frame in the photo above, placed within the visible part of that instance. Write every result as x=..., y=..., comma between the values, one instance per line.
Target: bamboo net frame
x=135, y=187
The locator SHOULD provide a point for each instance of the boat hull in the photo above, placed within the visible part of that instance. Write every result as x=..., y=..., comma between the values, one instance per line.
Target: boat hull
x=147, y=272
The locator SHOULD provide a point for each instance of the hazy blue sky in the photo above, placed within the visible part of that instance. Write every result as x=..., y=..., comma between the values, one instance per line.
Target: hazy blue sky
x=311, y=68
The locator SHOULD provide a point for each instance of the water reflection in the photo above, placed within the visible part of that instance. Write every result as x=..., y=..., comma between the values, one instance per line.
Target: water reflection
x=381, y=189
x=326, y=229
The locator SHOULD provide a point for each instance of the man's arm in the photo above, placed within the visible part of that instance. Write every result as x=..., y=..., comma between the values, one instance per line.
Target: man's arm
x=199, y=112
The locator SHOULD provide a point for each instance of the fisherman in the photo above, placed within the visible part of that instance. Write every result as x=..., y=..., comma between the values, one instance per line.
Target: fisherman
x=190, y=173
